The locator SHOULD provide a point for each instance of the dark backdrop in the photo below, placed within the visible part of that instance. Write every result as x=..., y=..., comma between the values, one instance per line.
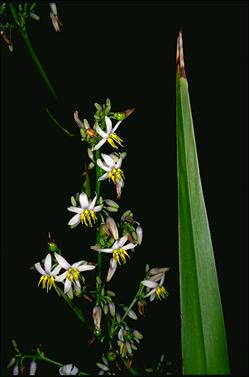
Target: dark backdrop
x=124, y=50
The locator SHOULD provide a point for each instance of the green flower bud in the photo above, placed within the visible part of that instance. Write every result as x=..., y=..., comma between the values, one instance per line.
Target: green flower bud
x=111, y=356
x=119, y=116
x=73, y=201
x=52, y=246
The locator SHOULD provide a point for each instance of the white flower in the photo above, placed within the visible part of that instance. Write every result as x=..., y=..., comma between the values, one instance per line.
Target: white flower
x=86, y=212
x=109, y=135
x=156, y=288
x=68, y=370
x=48, y=275
x=71, y=275
x=118, y=249
x=113, y=172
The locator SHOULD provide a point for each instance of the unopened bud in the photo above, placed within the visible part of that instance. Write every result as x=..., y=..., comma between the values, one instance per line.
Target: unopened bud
x=15, y=371
x=32, y=368
x=77, y=120
x=112, y=226
x=90, y=132
x=137, y=334
x=52, y=246
x=110, y=293
x=131, y=313
x=112, y=308
x=105, y=309
x=97, y=314
x=139, y=232
x=53, y=8
x=90, y=153
x=119, y=116
x=111, y=203
x=127, y=216
x=141, y=305
x=129, y=111
x=86, y=124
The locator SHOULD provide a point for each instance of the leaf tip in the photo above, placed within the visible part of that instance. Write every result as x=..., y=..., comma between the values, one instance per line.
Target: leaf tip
x=179, y=56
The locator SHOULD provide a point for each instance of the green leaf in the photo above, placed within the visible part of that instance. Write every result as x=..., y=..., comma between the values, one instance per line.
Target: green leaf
x=57, y=123
x=204, y=347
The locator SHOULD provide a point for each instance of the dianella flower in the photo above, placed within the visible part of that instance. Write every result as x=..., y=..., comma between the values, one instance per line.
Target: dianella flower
x=68, y=370
x=112, y=167
x=119, y=254
x=155, y=284
x=86, y=213
x=108, y=135
x=126, y=341
x=71, y=277
x=97, y=315
x=48, y=274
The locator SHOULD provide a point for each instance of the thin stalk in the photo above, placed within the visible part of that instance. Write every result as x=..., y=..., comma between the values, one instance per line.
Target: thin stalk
x=57, y=123
x=97, y=189
x=23, y=30
x=137, y=295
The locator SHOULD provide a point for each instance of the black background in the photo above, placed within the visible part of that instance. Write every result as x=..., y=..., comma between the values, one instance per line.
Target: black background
x=124, y=50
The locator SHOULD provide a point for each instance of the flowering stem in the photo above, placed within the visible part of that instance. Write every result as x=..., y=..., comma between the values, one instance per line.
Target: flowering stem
x=97, y=188
x=137, y=295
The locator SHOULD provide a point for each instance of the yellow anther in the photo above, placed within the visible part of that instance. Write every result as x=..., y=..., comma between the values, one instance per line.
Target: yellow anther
x=115, y=175
x=87, y=216
x=73, y=274
x=120, y=253
x=114, y=138
x=47, y=281
x=161, y=293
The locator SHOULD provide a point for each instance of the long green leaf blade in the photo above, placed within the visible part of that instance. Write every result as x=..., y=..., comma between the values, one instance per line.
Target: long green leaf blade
x=204, y=347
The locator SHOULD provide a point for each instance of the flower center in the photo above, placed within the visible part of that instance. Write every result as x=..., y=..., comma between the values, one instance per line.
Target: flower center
x=120, y=254
x=47, y=281
x=87, y=216
x=112, y=138
x=116, y=175
x=73, y=274
x=161, y=293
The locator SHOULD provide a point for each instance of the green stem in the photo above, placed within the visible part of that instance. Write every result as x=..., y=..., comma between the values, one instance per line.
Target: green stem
x=40, y=356
x=57, y=123
x=137, y=295
x=22, y=27
x=74, y=308
x=97, y=188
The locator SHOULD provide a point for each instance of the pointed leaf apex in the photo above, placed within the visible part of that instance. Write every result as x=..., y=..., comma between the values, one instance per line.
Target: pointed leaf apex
x=179, y=56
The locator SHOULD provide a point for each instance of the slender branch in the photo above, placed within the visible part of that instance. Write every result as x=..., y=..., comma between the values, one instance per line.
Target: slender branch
x=97, y=188
x=137, y=295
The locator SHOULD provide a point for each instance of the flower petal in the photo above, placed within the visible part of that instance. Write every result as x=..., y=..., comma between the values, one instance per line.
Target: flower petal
x=92, y=204
x=101, y=165
x=122, y=241
x=83, y=200
x=74, y=209
x=39, y=268
x=75, y=220
x=149, y=283
x=129, y=246
x=97, y=146
x=67, y=285
x=104, y=176
x=96, y=248
x=86, y=267
x=119, y=163
x=108, y=160
x=48, y=264
x=98, y=208
x=61, y=277
x=108, y=123
x=116, y=126
x=62, y=261
x=56, y=270
x=103, y=134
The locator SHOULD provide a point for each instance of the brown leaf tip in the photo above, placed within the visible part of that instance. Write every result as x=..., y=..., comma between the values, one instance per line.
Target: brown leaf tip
x=180, y=56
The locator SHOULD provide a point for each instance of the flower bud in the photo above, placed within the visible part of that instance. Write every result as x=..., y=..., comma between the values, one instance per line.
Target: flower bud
x=137, y=334
x=68, y=370
x=105, y=308
x=157, y=270
x=127, y=216
x=119, y=116
x=91, y=165
x=52, y=246
x=112, y=308
x=12, y=362
x=131, y=313
x=15, y=371
x=111, y=203
x=97, y=314
x=139, y=232
x=112, y=226
x=103, y=367
x=90, y=153
x=53, y=8
x=32, y=368
x=112, y=269
x=111, y=356
x=129, y=111
x=110, y=293
x=77, y=120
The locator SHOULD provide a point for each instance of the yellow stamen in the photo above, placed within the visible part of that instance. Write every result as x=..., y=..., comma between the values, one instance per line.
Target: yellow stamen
x=73, y=274
x=116, y=175
x=87, y=216
x=114, y=138
x=47, y=281
x=120, y=253
x=161, y=293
